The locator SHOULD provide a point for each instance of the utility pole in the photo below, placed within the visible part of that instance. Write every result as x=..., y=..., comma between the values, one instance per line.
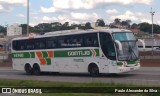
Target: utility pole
x=27, y=17
x=152, y=13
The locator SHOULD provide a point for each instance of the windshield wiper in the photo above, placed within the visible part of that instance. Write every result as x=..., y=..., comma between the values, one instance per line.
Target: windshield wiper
x=130, y=48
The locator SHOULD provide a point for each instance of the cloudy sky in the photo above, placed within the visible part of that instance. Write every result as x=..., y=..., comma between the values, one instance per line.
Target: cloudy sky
x=77, y=11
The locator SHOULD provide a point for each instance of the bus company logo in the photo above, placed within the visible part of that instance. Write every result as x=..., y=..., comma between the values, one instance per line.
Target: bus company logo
x=79, y=53
x=19, y=55
x=6, y=90
x=89, y=52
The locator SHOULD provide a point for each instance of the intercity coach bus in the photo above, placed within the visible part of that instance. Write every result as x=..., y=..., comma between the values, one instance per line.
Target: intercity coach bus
x=77, y=51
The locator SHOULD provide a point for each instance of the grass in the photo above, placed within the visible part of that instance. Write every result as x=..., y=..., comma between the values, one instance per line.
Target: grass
x=73, y=86
x=32, y=83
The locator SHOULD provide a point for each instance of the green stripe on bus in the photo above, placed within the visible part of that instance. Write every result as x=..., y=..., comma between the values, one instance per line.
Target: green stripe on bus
x=45, y=54
x=97, y=52
x=32, y=54
x=76, y=53
x=68, y=53
x=23, y=55
x=48, y=61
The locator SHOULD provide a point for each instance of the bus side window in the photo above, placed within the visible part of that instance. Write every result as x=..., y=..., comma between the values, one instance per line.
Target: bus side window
x=61, y=42
x=76, y=41
x=30, y=45
x=15, y=45
x=91, y=40
x=40, y=43
x=22, y=45
x=51, y=43
x=19, y=45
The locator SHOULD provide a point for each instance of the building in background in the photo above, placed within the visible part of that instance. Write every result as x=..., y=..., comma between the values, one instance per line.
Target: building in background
x=14, y=30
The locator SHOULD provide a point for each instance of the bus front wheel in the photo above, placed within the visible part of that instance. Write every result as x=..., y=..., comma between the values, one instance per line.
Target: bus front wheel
x=93, y=70
x=36, y=69
x=28, y=69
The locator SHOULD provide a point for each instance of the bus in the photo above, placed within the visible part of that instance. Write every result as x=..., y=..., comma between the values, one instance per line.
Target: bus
x=77, y=51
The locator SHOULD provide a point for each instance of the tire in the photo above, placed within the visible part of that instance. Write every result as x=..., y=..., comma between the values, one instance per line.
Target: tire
x=36, y=69
x=94, y=70
x=28, y=69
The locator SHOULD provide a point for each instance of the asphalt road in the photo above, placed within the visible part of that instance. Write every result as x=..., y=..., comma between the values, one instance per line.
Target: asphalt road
x=144, y=76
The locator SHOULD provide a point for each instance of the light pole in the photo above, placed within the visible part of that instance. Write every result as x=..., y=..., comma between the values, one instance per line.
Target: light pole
x=27, y=17
x=152, y=13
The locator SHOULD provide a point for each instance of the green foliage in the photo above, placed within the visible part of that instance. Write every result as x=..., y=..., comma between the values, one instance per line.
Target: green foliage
x=88, y=25
x=117, y=21
x=100, y=22
x=134, y=26
x=3, y=30
x=56, y=26
x=145, y=27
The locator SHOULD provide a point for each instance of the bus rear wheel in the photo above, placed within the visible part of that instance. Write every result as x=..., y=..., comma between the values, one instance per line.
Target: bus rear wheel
x=36, y=69
x=93, y=70
x=28, y=69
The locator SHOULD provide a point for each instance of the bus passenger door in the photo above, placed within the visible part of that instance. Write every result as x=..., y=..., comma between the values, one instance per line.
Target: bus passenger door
x=108, y=51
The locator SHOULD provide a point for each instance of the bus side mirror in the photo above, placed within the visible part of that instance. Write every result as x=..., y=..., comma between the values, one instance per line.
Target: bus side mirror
x=143, y=43
x=119, y=44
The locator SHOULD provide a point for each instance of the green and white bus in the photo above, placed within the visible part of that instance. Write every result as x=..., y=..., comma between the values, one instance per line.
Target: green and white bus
x=77, y=51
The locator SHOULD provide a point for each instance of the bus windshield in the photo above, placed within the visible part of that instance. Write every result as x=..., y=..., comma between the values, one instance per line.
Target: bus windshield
x=129, y=46
x=124, y=36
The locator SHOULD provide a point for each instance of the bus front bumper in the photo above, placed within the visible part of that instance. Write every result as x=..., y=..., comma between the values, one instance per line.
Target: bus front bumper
x=129, y=68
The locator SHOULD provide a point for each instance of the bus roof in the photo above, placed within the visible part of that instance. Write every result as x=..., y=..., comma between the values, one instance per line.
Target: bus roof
x=69, y=32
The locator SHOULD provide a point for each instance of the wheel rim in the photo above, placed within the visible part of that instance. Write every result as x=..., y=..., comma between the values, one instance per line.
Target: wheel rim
x=28, y=69
x=94, y=71
x=36, y=70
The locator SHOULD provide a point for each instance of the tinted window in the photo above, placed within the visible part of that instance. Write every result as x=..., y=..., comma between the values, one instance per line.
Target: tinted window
x=51, y=43
x=68, y=41
x=107, y=46
x=91, y=40
x=39, y=43
x=71, y=41
x=30, y=44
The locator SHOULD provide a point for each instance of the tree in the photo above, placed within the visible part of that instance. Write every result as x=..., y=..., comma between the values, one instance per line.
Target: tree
x=3, y=30
x=24, y=28
x=66, y=24
x=117, y=21
x=124, y=23
x=129, y=22
x=100, y=22
x=145, y=27
x=134, y=26
x=88, y=25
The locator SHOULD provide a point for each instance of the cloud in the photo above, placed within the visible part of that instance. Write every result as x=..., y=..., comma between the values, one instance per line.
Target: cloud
x=158, y=22
x=71, y=18
x=89, y=4
x=128, y=15
x=7, y=5
x=72, y=4
x=146, y=20
x=14, y=2
x=46, y=19
x=112, y=11
x=59, y=5
x=1, y=8
x=48, y=10
x=84, y=16
x=137, y=17
x=20, y=15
